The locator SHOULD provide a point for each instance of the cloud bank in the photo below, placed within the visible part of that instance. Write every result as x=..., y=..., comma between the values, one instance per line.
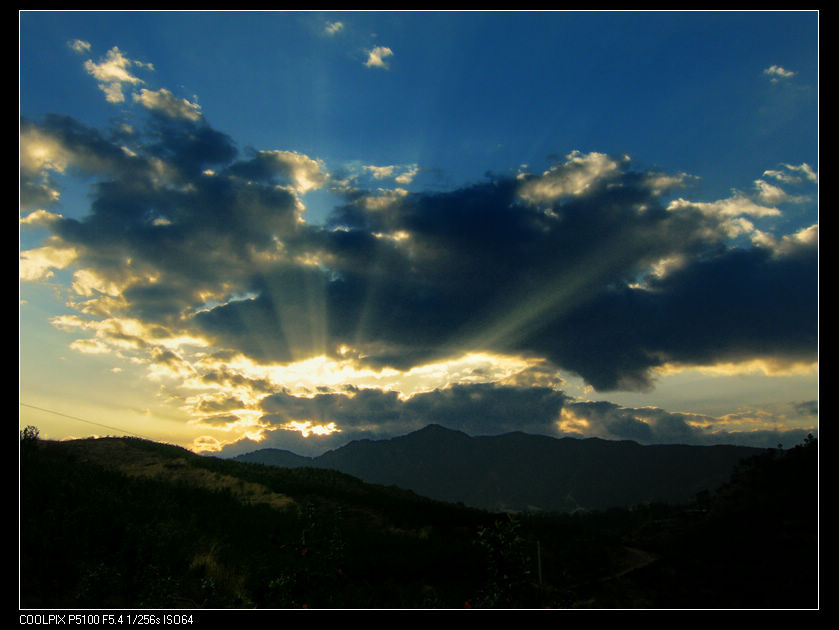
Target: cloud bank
x=196, y=260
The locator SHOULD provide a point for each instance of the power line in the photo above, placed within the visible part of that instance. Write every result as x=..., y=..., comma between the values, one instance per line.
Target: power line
x=64, y=415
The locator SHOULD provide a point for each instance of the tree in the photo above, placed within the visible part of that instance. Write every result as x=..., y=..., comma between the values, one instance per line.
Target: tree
x=508, y=565
x=29, y=439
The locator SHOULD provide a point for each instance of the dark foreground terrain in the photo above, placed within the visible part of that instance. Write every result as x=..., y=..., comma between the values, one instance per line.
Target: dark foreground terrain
x=520, y=472
x=127, y=523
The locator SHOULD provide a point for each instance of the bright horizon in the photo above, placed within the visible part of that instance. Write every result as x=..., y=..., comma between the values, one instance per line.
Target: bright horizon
x=242, y=230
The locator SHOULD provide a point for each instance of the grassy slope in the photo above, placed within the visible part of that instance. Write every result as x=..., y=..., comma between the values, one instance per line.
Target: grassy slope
x=131, y=523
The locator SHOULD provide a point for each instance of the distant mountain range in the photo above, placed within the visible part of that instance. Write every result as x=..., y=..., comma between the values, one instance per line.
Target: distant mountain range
x=523, y=472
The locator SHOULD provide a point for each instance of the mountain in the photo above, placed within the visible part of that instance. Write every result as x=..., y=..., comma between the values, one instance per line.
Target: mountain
x=524, y=472
x=127, y=523
x=124, y=523
x=275, y=457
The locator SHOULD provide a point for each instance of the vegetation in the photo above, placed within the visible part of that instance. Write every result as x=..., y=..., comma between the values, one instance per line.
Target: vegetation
x=127, y=523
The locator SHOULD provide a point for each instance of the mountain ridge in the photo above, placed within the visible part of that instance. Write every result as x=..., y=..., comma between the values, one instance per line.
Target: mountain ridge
x=518, y=471
x=129, y=523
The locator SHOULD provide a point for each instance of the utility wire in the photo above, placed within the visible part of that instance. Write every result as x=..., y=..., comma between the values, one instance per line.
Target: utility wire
x=64, y=415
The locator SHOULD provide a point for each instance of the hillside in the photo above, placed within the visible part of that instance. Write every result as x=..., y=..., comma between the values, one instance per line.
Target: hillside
x=522, y=472
x=127, y=523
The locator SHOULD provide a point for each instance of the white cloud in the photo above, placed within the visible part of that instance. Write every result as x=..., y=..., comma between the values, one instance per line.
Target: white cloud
x=79, y=45
x=768, y=193
x=383, y=199
x=380, y=172
x=735, y=206
x=40, y=152
x=37, y=264
x=408, y=176
x=333, y=27
x=777, y=73
x=804, y=170
x=40, y=217
x=661, y=183
x=306, y=173
x=113, y=72
x=789, y=243
x=375, y=58
x=572, y=177
x=164, y=101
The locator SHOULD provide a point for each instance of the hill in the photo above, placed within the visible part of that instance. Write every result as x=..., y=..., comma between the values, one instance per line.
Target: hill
x=521, y=472
x=126, y=523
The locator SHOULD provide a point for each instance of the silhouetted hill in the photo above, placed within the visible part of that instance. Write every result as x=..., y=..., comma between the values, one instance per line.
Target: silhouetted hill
x=518, y=471
x=126, y=523
x=275, y=457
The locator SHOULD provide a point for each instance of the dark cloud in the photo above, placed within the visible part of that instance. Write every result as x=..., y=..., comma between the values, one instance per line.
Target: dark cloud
x=730, y=305
x=270, y=327
x=78, y=148
x=650, y=425
x=487, y=409
x=542, y=265
x=189, y=146
x=808, y=408
x=479, y=259
x=220, y=420
x=222, y=376
x=477, y=409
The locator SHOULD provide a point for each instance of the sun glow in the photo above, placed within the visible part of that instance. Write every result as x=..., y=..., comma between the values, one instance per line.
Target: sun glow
x=229, y=403
x=569, y=422
x=323, y=373
x=306, y=428
x=766, y=367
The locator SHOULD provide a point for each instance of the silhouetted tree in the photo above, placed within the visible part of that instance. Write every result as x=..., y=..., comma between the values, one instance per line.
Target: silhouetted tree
x=508, y=564
x=29, y=440
x=29, y=434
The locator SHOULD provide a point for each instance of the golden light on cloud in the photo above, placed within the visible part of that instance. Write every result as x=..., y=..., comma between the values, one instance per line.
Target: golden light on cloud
x=229, y=405
x=573, y=177
x=225, y=428
x=398, y=236
x=39, y=263
x=320, y=373
x=207, y=444
x=569, y=422
x=307, y=428
x=39, y=151
x=765, y=366
x=88, y=283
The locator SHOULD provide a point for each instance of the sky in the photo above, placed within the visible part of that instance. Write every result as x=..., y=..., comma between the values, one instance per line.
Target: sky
x=245, y=230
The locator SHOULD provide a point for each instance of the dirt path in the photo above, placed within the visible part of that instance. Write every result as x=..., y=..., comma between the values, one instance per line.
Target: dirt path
x=636, y=559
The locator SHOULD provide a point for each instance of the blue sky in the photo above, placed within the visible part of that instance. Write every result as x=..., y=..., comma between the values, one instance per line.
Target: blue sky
x=292, y=229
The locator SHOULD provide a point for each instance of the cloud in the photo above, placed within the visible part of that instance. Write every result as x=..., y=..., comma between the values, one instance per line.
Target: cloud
x=79, y=46
x=777, y=73
x=570, y=178
x=333, y=28
x=793, y=174
x=478, y=409
x=651, y=425
x=113, y=73
x=165, y=102
x=380, y=172
x=544, y=265
x=58, y=146
x=303, y=173
x=400, y=174
x=408, y=175
x=39, y=263
x=196, y=263
x=771, y=194
x=376, y=57
x=736, y=206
